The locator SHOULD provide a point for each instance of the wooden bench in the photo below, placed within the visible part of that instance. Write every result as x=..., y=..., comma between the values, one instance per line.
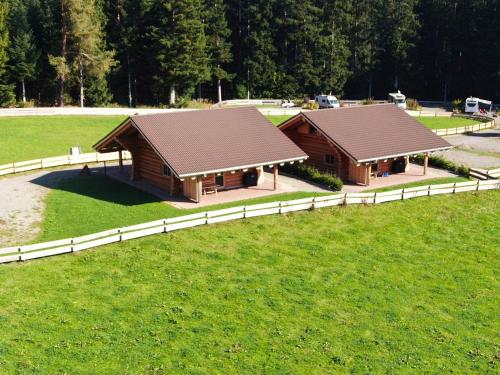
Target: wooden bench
x=210, y=189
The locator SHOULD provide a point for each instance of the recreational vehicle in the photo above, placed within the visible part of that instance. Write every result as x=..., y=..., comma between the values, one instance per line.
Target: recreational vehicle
x=327, y=101
x=476, y=105
x=398, y=99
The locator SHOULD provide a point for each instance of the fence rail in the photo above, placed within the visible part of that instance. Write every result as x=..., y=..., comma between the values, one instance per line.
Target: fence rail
x=484, y=174
x=72, y=245
x=465, y=129
x=57, y=161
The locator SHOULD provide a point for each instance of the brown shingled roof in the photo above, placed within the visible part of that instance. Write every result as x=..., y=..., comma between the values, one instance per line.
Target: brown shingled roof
x=207, y=141
x=374, y=131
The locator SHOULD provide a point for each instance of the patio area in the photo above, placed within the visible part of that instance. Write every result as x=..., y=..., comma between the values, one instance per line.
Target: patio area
x=285, y=184
x=415, y=173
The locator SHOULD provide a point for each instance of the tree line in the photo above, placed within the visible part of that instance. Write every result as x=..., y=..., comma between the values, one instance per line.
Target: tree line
x=161, y=52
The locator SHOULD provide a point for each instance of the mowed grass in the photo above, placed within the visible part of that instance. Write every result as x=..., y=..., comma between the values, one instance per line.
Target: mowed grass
x=84, y=205
x=431, y=181
x=26, y=138
x=445, y=122
x=403, y=287
x=277, y=120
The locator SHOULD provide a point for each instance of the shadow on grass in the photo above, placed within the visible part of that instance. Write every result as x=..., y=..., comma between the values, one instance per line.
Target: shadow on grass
x=96, y=186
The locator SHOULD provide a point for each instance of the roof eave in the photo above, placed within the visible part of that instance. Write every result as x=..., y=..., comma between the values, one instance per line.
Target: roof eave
x=240, y=167
x=403, y=154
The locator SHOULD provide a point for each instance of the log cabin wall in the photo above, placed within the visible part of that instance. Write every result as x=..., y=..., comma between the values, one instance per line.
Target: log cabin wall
x=317, y=147
x=231, y=180
x=148, y=166
x=357, y=174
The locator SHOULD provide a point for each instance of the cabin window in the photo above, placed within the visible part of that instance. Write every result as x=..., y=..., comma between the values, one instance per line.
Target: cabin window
x=312, y=130
x=329, y=159
x=219, y=180
x=166, y=171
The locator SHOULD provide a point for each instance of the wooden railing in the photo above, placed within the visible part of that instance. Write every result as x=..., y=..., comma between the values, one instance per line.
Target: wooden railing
x=484, y=174
x=72, y=245
x=57, y=161
x=465, y=129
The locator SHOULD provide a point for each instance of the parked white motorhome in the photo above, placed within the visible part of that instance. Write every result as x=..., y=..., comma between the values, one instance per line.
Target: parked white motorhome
x=476, y=105
x=327, y=101
x=397, y=98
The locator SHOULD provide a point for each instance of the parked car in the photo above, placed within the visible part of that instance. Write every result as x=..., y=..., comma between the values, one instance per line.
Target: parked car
x=327, y=101
x=287, y=104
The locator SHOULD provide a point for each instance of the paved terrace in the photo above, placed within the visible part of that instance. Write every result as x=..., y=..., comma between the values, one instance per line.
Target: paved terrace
x=286, y=184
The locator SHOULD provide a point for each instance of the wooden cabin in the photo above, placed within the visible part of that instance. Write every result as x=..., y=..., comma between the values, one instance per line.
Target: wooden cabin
x=361, y=143
x=193, y=153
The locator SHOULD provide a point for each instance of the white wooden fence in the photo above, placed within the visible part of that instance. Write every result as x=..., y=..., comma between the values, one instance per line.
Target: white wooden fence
x=58, y=161
x=484, y=174
x=465, y=129
x=72, y=245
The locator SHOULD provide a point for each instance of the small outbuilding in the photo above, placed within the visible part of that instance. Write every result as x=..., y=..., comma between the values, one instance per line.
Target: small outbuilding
x=193, y=153
x=360, y=143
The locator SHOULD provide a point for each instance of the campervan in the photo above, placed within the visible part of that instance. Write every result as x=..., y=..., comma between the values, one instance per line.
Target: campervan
x=398, y=99
x=327, y=101
x=476, y=105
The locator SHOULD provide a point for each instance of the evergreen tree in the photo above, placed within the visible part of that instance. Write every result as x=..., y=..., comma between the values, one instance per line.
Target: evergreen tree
x=218, y=45
x=23, y=51
x=6, y=89
x=180, y=43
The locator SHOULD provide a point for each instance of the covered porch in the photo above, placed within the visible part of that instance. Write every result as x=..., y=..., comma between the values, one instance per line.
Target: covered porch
x=267, y=187
x=414, y=173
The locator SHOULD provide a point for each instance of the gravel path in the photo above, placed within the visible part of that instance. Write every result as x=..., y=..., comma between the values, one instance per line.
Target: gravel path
x=487, y=140
x=471, y=145
x=23, y=203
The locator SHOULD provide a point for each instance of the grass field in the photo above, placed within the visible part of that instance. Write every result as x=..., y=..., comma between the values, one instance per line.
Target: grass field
x=84, y=205
x=445, y=122
x=404, y=287
x=431, y=181
x=25, y=138
x=277, y=120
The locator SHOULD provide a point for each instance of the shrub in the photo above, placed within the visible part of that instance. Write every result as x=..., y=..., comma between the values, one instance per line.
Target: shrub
x=457, y=105
x=440, y=162
x=368, y=101
x=412, y=104
x=312, y=104
x=312, y=174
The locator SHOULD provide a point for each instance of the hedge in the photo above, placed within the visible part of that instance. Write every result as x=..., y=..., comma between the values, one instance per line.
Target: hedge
x=312, y=174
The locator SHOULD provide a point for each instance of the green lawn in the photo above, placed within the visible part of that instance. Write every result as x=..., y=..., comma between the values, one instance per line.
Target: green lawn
x=431, y=181
x=84, y=205
x=25, y=138
x=445, y=122
x=277, y=120
x=404, y=287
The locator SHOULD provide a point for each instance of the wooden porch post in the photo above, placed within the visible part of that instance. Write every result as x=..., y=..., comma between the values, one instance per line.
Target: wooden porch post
x=368, y=173
x=120, y=160
x=198, y=189
x=275, y=176
x=426, y=162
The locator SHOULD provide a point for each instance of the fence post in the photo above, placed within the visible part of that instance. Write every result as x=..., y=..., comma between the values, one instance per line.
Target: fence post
x=477, y=185
x=454, y=187
x=403, y=194
x=244, y=212
x=375, y=198
x=19, y=250
x=72, y=245
x=14, y=167
x=428, y=190
x=206, y=217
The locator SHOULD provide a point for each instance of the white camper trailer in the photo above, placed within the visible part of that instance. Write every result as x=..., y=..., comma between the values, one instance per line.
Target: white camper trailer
x=327, y=101
x=398, y=99
x=476, y=105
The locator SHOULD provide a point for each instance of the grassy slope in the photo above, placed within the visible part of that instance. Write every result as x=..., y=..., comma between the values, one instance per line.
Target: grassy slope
x=431, y=181
x=277, y=120
x=25, y=138
x=388, y=289
x=91, y=204
x=445, y=122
